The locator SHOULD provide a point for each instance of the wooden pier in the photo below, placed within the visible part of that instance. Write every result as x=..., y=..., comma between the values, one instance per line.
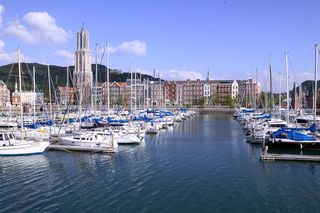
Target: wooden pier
x=289, y=157
x=65, y=148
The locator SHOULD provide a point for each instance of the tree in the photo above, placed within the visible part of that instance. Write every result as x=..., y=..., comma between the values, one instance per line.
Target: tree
x=201, y=101
x=215, y=99
x=125, y=100
x=228, y=101
x=120, y=100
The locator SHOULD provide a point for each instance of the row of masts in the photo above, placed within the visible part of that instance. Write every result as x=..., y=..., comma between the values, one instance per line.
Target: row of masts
x=96, y=80
x=287, y=86
x=272, y=103
x=160, y=88
x=133, y=81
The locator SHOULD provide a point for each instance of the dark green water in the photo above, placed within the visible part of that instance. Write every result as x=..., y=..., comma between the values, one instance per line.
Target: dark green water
x=201, y=165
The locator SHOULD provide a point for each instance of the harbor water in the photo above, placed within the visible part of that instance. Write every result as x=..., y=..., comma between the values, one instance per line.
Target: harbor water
x=200, y=165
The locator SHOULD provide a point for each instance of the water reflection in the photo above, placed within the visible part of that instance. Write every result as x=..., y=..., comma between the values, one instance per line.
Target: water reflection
x=23, y=162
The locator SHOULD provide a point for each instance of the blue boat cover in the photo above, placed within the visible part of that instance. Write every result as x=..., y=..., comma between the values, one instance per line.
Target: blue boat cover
x=287, y=133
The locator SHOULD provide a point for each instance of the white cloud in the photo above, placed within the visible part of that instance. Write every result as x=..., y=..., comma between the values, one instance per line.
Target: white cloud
x=16, y=29
x=39, y=27
x=67, y=56
x=70, y=56
x=2, y=45
x=135, y=47
x=64, y=53
x=296, y=77
x=173, y=74
x=1, y=13
x=5, y=56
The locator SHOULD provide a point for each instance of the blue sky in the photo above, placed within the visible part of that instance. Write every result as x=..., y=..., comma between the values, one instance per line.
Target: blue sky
x=179, y=38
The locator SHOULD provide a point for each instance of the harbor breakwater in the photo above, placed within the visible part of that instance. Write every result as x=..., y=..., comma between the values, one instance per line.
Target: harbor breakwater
x=216, y=110
x=211, y=110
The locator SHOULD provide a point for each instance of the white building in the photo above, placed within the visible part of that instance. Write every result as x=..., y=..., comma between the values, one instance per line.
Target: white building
x=27, y=97
x=234, y=90
x=207, y=90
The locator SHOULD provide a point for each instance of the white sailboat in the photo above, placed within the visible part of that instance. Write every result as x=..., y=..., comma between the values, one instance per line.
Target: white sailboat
x=126, y=135
x=9, y=145
x=89, y=140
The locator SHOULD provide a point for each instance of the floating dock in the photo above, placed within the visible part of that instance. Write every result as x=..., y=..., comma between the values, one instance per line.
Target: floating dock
x=65, y=148
x=289, y=157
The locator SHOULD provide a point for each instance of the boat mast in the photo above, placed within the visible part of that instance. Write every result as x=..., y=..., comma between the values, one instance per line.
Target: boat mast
x=315, y=83
x=153, y=88
x=280, y=95
x=140, y=83
x=131, y=88
x=34, y=93
x=160, y=89
x=256, y=92
x=96, y=83
x=287, y=82
x=266, y=95
x=49, y=79
x=67, y=85
x=135, y=91
x=295, y=96
x=271, y=92
x=20, y=91
x=147, y=99
x=164, y=97
x=80, y=94
x=144, y=93
x=68, y=90
x=300, y=96
x=108, y=79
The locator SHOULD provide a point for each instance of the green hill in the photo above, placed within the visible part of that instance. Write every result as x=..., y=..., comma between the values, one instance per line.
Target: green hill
x=9, y=74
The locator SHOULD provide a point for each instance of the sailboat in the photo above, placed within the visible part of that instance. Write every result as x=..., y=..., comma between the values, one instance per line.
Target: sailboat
x=9, y=145
x=303, y=138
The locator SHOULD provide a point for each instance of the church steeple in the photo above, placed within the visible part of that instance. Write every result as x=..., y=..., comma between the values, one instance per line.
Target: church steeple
x=208, y=73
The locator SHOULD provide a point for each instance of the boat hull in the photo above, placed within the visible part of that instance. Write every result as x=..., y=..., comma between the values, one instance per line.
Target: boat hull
x=293, y=144
x=24, y=149
x=127, y=140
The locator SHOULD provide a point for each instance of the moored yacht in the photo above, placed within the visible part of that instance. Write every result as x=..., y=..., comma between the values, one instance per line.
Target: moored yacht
x=10, y=146
x=88, y=139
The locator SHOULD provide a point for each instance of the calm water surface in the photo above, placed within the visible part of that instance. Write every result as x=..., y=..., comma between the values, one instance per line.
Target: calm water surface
x=201, y=165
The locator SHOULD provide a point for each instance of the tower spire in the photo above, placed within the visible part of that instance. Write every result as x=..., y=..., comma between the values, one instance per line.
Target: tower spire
x=82, y=74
